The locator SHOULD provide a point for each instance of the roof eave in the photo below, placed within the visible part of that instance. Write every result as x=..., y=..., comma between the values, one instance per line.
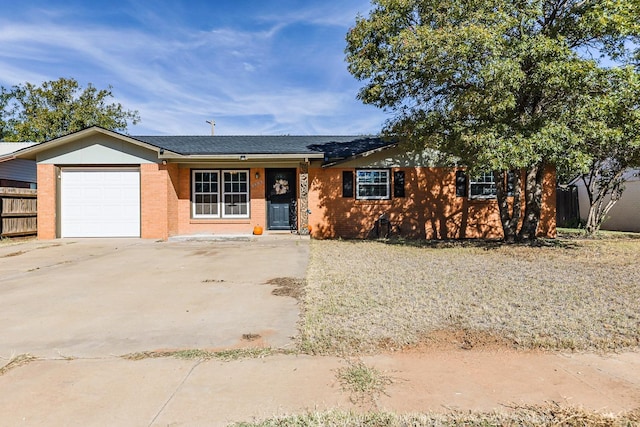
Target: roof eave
x=30, y=152
x=338, y=162
x=240, y=156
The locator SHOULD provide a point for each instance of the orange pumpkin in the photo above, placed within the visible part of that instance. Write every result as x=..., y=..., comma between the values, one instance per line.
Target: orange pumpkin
x=257, y=230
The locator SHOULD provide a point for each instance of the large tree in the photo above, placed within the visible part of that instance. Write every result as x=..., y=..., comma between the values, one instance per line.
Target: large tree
x=497, y=83
x=610, y=145
x=58, y=107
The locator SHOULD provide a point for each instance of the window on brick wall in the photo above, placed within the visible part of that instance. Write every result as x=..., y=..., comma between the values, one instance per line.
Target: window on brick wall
x=372, y=184
x=220, y=193
x=482, y=186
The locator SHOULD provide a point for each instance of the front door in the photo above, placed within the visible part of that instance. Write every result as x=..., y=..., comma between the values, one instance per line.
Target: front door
x=281, y=199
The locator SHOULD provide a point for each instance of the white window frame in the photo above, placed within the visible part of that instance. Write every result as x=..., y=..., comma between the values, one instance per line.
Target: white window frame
x=225, y=193
x=221, y=193
x=482, y=179
x=359, y=183
x=194, y=214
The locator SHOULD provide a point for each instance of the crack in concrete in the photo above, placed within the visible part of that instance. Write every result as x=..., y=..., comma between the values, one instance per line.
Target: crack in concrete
x=186, y=377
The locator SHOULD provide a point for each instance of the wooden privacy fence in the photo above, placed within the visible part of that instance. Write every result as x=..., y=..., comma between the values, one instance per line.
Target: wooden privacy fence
x=18, y=212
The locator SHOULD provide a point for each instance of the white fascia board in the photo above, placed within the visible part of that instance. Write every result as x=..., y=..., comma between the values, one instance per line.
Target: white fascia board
x=240, y=157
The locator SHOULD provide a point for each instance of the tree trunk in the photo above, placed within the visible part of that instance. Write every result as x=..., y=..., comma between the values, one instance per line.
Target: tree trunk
x=509, y=216
x=533, y=202
x=599, y=186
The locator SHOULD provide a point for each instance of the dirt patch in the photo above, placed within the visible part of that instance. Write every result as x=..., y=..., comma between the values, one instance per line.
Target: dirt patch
x=12, y=254
x=465, y=339
x=450, y=340
x=251, y=337
x=287, y=287
x=17, y=361
x=249, y=340
x=54, y=245
x=201, y=252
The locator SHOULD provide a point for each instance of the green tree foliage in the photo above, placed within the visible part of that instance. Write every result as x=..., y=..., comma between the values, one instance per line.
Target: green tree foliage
x=610, y=143
x=503, y=85
x=40, y=113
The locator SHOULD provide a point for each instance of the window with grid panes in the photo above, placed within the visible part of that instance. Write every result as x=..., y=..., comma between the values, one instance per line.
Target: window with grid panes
x=220, y=194
x=372, y=184
x=236, y=194
x=206, y=194
x=482, y=186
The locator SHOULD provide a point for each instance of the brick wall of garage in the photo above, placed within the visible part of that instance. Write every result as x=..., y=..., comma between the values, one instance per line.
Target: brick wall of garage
x=172, y=198
x=430, y=209
x=154, y=201
x=47, y=201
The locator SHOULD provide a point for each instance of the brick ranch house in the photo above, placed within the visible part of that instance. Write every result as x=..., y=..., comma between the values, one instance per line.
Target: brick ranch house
x=100, y=183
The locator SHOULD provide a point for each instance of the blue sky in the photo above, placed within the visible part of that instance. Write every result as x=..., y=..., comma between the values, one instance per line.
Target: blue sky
x=255, y=67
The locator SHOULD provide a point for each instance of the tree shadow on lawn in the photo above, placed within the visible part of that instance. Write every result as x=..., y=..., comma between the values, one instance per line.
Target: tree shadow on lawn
x=486, y=244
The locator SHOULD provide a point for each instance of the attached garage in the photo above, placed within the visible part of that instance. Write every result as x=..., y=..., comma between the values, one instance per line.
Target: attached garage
x=100, y=202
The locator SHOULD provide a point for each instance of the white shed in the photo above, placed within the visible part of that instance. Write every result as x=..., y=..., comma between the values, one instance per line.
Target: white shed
x=625, y=214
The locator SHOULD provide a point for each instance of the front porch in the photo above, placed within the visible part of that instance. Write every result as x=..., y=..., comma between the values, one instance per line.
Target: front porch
x=231, y=198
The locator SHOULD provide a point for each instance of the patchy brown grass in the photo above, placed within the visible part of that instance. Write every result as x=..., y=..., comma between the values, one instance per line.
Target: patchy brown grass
x=199, y=354
x=363, y=383
x=525, y=416
x=287, y=286
x=559, y=295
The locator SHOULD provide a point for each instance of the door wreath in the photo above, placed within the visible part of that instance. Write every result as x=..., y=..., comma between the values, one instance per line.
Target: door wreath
x=281, y=186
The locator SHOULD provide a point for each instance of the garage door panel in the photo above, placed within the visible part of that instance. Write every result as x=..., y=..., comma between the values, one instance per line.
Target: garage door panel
x=100, y=203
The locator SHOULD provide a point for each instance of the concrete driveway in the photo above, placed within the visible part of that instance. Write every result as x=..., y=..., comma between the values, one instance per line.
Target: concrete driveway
x=108, y=297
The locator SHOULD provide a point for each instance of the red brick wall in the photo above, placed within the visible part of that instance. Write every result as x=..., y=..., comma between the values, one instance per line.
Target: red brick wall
x=257, y=209
x=173, y=177
x=154, y=223
x=47, y=199
x=430, y=209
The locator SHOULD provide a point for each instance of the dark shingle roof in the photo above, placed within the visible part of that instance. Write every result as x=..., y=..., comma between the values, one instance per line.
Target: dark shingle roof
x=333, y=147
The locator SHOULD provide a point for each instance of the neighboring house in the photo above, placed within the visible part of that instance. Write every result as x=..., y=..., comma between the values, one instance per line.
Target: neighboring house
x=99, y=183
x=625, y=214
x=17, y=173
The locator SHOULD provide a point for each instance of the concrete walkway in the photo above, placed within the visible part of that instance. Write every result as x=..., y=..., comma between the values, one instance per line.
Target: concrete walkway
x=172, y=392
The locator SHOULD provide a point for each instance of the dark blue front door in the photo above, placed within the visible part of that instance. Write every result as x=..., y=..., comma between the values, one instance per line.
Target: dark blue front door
x=281, y=199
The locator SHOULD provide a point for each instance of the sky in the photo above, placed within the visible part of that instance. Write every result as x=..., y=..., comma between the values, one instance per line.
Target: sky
x=270, y=67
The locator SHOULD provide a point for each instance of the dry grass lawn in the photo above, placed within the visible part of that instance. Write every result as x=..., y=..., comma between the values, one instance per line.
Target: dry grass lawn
x=577, y=294
x=550, y=415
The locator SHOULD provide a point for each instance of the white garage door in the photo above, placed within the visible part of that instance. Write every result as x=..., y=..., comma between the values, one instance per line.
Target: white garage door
x=100, y=202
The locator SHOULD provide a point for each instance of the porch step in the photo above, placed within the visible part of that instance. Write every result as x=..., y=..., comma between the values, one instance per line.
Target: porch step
x=237, y=237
